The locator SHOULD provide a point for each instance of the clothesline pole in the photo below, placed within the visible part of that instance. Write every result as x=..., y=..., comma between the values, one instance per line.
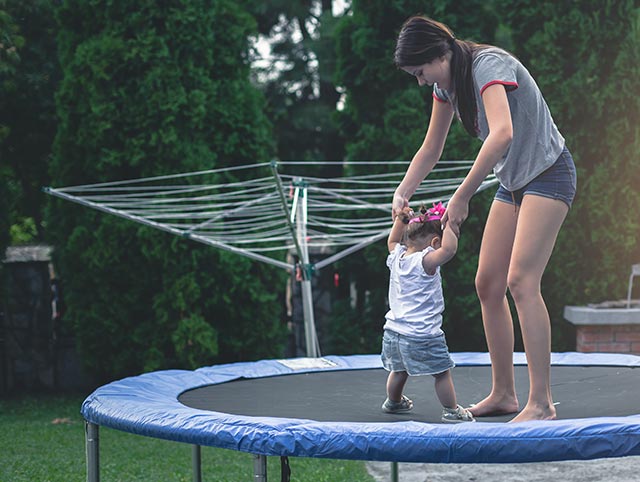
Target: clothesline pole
x=311, y=338
x=299, y=234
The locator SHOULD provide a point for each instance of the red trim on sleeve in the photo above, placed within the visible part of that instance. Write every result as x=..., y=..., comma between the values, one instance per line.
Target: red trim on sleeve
x=438, y=98
x=508, y=85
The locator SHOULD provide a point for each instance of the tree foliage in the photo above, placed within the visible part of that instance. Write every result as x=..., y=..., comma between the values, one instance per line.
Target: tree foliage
x=154, y=89
x=385, y=117
x=297, y=80
x=11, y=42
x=30, y=74
x=586, y=58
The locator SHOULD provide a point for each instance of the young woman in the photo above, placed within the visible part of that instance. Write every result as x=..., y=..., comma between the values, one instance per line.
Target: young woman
x=498, y=101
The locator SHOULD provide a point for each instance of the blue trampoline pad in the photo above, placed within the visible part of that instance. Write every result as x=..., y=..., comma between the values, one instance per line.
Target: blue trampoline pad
x=330, y=408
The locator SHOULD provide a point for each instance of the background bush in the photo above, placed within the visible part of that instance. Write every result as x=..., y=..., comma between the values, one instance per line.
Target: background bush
x=153, y=89
x=143, y=89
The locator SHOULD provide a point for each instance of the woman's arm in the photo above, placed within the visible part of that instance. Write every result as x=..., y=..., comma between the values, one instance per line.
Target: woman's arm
x=426, y=157
x=493, y=148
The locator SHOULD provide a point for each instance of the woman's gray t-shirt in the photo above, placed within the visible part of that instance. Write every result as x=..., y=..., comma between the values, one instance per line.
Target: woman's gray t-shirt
x=536, y=143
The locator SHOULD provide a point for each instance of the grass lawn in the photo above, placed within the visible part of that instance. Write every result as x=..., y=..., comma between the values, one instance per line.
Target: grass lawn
x=42, y=439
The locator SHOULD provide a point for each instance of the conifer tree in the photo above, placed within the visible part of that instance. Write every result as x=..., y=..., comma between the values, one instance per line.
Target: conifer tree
x=155, y=88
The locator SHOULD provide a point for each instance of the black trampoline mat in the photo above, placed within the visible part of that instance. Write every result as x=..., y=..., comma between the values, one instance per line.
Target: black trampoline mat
x=357, y=395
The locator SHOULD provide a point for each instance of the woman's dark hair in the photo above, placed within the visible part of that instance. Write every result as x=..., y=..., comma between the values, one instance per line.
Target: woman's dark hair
x=422, y=40
x=421, y=229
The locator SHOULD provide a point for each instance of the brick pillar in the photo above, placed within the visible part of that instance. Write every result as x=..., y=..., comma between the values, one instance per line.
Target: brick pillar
x=608, y=338
x=607, y=329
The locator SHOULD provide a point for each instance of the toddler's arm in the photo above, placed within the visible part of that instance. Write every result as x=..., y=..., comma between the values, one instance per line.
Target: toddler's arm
x=395, y=236
x=444, y=253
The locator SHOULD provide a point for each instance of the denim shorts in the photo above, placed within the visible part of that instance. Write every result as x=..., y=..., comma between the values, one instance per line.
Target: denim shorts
x=557, y=182
x=416, y=356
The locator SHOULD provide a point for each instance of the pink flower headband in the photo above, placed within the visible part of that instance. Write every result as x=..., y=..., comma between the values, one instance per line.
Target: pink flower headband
x=432, y=214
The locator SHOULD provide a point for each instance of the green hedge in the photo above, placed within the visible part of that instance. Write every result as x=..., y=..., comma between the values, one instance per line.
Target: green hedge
x=156, y=88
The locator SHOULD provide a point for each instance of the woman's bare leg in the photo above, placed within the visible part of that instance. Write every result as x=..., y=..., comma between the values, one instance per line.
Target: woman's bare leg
x=491, y=285
x=538, y=226
x=395, y=385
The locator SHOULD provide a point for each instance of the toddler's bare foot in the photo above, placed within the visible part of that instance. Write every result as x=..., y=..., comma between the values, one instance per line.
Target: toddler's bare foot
x=535, y=412
x=493, y=406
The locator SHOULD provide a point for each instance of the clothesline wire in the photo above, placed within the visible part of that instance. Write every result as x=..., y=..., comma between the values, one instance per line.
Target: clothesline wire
x=247, y=215
x=233, y=169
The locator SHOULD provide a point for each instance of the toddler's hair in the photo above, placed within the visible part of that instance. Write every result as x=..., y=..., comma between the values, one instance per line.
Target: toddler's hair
x=421, y=228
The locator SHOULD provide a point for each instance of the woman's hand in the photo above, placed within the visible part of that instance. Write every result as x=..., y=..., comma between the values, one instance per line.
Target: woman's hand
x=398, y=204
x=456, y=213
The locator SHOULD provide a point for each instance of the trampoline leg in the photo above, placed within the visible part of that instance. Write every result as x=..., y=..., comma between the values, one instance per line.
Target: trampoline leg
x=196, y=463
x=260, y=468
x=92, y=442
x=394, y=472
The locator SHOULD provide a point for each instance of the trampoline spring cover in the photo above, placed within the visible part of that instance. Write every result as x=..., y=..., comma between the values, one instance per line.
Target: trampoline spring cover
x=148, y=405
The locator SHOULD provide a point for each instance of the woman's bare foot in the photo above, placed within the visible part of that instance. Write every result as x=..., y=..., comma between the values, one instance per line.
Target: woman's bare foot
x=493, y=406
x=535, y=412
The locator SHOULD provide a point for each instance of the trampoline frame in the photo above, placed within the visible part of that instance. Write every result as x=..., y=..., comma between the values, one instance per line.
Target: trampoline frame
x=108, y=406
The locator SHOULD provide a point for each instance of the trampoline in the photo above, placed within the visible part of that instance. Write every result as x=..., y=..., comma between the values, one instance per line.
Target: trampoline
x=329, y=407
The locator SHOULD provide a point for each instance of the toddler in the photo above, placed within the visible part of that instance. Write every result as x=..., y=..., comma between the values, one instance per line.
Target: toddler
x=413, y=341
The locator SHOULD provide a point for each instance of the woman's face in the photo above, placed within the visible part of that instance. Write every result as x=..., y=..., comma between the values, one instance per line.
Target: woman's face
x=438, y=70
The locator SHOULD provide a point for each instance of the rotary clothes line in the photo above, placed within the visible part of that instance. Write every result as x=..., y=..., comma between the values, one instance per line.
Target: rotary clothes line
x=264, y=211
